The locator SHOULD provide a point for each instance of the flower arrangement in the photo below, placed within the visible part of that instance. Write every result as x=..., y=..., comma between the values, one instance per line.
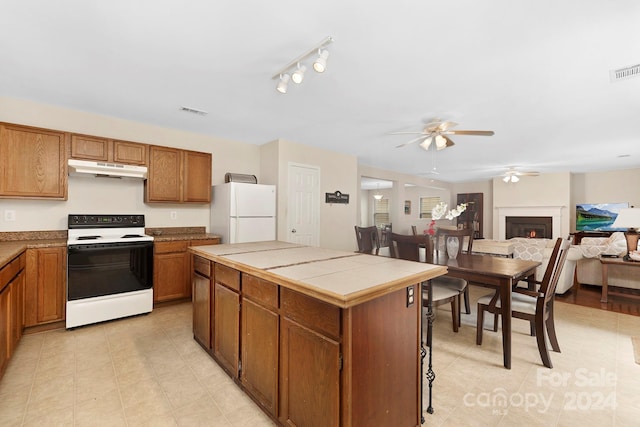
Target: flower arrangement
x=439, y=211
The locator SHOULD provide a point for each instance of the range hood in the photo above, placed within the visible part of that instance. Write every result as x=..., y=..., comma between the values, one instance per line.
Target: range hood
x=114, y=170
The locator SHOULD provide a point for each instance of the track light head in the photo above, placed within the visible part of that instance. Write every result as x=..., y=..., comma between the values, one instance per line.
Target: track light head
x=283, y=83
x=298, y=74
x=320, y=64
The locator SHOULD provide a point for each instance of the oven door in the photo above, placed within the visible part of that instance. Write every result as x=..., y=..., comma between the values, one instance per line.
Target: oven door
x=108, y=268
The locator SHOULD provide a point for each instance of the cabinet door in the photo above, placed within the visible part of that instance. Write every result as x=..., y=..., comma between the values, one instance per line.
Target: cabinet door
x=131, y=153
x=170, y=276
x=202, y=309
x=197, y=177
x=259, y=373
x=310, y=366
x=17, y=311
x=33, y=163
x=89, y=148
x=226, y=334
x=5, y=329
x=51, y=284
x=163, y=183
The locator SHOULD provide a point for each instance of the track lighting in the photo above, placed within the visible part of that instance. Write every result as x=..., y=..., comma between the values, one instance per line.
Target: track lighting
x=320, y=64
x=295, y=69
x=283, y=83
x=298, y=74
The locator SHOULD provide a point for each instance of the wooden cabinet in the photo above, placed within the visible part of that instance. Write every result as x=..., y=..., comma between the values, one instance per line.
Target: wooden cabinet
x=172, y=267
x=11, y=308
x=33, y=162
x=178, y=176
x=108, y=150
x=260, y=341
x=472, y=216
x=309, y=361
x=226, y=318
x=170, y=271
x=45, y=287
x=201, y=296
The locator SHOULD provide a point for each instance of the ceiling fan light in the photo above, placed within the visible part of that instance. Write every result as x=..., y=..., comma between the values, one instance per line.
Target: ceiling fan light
x=320, y=64
x=506, y=178
x=298, y=74
x=426, y=143
x=441, y=142
x=514, y=178
x=283, y=83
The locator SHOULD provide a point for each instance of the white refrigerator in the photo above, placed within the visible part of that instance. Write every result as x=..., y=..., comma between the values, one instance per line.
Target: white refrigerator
x=242, y=212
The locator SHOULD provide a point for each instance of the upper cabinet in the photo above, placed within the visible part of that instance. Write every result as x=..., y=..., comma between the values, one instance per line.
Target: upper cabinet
x=32, y=162
x=178, y=176
x=108, y=150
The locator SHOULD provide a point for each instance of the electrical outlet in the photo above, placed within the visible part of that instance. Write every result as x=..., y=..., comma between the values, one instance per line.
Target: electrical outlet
x=410, y=296
x=9, y=215
x=173, y=215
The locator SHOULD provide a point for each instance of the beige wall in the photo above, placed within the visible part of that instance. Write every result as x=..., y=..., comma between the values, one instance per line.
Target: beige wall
x=337, y=172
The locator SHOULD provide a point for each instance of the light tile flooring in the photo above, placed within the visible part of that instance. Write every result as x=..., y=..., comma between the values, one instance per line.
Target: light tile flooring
x=148, y=371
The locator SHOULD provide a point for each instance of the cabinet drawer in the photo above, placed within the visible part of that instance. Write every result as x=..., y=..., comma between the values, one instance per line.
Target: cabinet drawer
x=166, y=247
x=260, y=290
x=227, y=276
x=11, y=270
x=310, y=312
x=202, y=266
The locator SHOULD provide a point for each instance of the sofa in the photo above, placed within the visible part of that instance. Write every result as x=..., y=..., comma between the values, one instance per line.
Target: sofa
x=589, y=269
x=540, y=250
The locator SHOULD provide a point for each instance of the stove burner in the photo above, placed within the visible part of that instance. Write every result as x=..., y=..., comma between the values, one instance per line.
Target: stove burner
x=88, y=237
x=130, y=236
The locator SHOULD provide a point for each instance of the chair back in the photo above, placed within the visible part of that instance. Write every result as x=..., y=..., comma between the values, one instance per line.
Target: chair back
x=553, y=271
x=385, y=231
x=414, y=230
x=408, y=247
x=443, y=233
x=368, y=242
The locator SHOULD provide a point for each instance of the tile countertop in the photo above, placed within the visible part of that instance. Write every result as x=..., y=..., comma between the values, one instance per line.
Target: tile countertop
x=343, y=279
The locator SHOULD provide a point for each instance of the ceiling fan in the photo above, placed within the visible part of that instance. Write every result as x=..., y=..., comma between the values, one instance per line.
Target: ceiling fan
x=438, y=131
x=512, y=175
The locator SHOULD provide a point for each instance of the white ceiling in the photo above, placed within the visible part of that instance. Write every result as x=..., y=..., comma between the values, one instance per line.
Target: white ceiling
x=535, y=72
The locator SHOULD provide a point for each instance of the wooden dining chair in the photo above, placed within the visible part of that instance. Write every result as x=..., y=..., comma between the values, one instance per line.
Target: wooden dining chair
x=534, y=304
x=414, y=230
x=368, y=241
x=441, y=243
x=410, y=248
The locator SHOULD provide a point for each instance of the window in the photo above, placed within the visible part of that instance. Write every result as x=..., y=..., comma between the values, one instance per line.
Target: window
x=381, y=212
x=426, y=206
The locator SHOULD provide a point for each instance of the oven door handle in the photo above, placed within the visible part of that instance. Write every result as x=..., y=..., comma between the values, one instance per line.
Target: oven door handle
x=107, y=246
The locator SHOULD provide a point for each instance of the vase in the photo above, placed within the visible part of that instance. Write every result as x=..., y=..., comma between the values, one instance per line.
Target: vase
x=453, y=245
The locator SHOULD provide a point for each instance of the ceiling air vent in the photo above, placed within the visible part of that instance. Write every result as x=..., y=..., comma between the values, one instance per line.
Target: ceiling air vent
x=193, y=111
x=624, y=73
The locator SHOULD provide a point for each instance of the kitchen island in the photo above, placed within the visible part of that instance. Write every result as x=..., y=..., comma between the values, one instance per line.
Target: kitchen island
x=316, y=337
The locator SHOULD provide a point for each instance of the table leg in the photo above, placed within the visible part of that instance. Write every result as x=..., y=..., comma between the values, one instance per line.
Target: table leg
x=505, y=303
x=605, y=282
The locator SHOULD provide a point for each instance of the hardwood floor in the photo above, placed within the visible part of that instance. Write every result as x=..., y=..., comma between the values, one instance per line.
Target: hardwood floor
x=589, y=296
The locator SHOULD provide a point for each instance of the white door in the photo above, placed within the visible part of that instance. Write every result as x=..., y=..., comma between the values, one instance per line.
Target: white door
x=303, y=217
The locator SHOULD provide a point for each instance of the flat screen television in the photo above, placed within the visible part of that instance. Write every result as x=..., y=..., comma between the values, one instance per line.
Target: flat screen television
x=598, y=216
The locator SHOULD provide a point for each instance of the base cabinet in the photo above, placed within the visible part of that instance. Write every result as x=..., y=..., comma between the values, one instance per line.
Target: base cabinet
x=308, y=363
x=201, y=296
x=45, y=290
x=11, y=308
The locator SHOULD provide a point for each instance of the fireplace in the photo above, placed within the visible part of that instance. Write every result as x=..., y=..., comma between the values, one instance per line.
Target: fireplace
x=535, y=227
x=559, y=221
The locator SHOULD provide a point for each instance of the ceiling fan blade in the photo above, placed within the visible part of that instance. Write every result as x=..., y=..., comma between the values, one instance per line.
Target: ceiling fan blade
x=406, y=133
x=530, y=173
x=446, y=125
x=412, y=141
x=471, y=132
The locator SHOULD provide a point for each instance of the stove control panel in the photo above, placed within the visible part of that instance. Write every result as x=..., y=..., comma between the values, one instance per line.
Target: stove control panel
x=105, y=221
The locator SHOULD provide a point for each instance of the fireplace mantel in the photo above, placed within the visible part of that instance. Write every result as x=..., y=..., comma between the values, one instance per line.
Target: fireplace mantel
x=555, y=212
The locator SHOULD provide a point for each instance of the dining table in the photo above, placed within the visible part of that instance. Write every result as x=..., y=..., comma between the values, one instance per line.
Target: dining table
x=488, y=271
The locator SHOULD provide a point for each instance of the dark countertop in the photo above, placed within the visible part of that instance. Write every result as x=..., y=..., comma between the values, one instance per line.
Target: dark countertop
x=13, y=244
